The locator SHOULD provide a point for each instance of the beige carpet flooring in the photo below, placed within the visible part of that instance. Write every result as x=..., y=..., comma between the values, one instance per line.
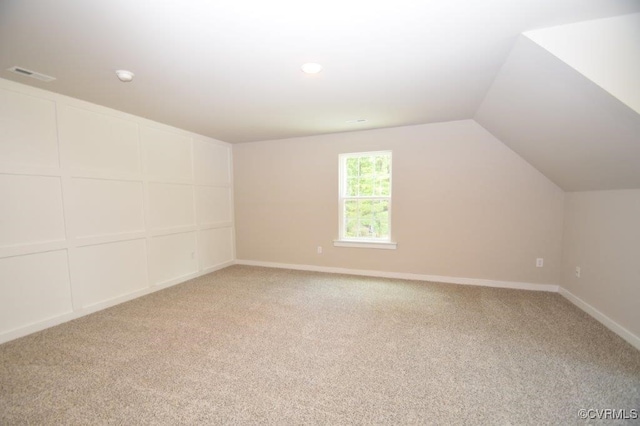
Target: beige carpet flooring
x=249, y=345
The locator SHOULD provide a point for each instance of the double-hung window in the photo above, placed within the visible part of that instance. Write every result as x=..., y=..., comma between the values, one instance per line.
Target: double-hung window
x=365, y=200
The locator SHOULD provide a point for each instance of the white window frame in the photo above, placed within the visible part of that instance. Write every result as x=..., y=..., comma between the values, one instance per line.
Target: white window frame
x=343, y=241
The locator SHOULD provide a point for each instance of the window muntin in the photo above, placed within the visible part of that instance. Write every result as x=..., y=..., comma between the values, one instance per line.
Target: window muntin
x=365, y=196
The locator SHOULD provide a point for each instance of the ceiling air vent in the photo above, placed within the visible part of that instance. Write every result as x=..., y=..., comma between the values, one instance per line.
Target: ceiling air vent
x=28, y=73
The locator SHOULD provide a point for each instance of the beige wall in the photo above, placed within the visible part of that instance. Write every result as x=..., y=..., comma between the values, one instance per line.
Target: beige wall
x=602, y=237
x=464, y=205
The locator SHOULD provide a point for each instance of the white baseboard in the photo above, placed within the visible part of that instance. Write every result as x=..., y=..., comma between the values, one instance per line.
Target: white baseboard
x=68, y=316
x=605, y=320
x=602, y=318
x=405, y=276
x=38, y=326
x=86, y=310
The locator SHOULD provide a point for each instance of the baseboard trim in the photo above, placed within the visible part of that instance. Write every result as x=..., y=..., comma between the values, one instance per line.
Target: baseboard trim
x=405, y=276
x=86, y=310
x=627, y=335
x=595, y=313
x=39, y=326
x=621, y=331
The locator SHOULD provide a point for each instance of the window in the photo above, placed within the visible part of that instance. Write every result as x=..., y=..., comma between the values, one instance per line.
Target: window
x=365, y=200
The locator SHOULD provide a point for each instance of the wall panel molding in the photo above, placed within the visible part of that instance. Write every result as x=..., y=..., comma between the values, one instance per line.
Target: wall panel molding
x=108, y=199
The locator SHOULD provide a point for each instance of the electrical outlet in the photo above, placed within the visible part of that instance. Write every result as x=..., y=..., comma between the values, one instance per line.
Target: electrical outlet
x=539, y=262
x=578, y=271
x=319, y=249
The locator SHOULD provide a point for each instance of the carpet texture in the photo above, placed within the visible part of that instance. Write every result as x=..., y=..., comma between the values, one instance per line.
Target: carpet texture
x=248, y=345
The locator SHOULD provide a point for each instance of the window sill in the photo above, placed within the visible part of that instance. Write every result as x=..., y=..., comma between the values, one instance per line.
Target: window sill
x=366, y=244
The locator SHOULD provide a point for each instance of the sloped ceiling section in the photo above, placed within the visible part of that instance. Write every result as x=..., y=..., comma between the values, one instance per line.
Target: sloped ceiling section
x=606, y=51
x=568, y=127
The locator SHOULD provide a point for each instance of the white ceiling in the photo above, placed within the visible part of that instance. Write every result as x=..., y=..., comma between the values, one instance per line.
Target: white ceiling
x=606, y=51
x=230, y=69
x=576, y=133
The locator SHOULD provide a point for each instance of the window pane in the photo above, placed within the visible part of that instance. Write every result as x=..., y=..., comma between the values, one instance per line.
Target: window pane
x=352, y=187
x=351, y=229
x=366, y=166
x=366, y=229
x=351, y=209
x=366, y=187
x=352, y=166
x=383, y=186
x=351, y=218
x=366, y=213
x=383, y=164
x=365, y=208
x=380, y=165
x=366, y=218
x=381, y=218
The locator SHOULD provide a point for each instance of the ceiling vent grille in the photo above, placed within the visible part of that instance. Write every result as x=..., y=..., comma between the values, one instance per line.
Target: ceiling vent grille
x=28, y=73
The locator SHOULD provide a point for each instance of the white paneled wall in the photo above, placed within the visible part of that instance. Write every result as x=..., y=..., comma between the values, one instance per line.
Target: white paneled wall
x=31, y=211
x=98, y=207
x=105, y=207
x=97, y=141
x=29, y=136
x=170, y=206
x=212, y=252
x=172, y=256
x=35, y=288
x=104, y=272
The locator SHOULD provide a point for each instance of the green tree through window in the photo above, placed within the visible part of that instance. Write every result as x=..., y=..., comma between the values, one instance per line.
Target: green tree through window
x=365, y=196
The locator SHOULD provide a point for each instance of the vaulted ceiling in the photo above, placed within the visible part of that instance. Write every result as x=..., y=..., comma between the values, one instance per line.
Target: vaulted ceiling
x=230, y=69
x=572, y=119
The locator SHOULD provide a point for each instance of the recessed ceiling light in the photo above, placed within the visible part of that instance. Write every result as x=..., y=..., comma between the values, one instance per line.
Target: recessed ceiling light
x=311, y=68
x=125, y=76
x=356, y=121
